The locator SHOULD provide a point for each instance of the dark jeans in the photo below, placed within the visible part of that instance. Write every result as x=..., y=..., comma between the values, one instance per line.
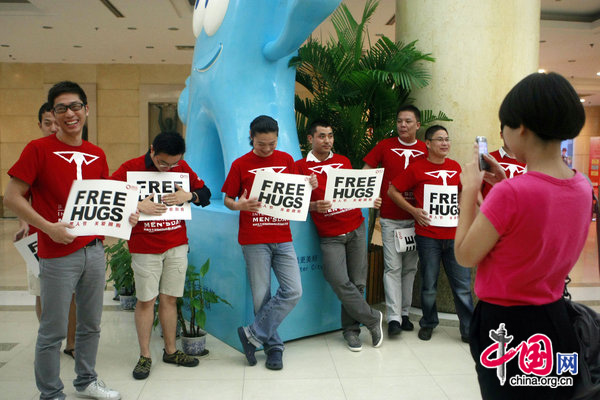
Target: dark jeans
x=431, y=253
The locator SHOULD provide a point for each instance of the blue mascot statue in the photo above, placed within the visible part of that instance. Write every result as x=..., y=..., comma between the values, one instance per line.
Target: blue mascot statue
x=239, y=71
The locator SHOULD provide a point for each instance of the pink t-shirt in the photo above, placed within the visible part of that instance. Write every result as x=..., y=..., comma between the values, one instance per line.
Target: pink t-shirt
x=543, y=223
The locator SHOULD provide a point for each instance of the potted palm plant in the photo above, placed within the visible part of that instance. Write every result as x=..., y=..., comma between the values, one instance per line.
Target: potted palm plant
x=197, y=298
x=118, y=259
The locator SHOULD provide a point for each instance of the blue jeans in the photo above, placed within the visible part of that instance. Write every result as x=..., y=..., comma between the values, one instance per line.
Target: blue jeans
x=270, y=310
x=431, y=252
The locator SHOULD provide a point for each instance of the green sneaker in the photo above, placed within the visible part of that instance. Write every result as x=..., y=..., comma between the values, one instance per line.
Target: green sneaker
x=142, y=369
x=180, y=358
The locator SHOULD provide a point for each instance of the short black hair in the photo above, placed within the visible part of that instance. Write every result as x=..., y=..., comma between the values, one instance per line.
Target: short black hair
x=170, y=143
x=263, y=124
x=410, y=108
x=46, y=107
x=312, y=128
x=433, y=129
x=66, y=87
x=546, y=104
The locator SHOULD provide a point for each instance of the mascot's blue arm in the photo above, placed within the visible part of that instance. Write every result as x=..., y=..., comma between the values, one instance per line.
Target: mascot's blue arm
x=302, y=18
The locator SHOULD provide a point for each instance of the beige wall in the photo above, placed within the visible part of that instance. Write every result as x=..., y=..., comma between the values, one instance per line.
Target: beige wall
x=581, y=148
x=23, y=89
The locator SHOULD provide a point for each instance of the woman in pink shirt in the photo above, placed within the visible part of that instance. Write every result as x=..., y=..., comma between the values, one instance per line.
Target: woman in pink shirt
x=526, y=238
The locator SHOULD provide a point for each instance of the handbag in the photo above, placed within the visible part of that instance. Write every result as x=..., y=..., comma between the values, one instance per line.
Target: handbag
x=586, y=323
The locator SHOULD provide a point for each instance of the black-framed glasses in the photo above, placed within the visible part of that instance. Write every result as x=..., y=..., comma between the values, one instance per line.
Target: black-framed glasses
x=62, y=108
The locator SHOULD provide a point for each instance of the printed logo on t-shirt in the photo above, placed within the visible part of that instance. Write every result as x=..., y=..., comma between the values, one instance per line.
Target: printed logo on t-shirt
x=442, y=174
x=78, y=158
x=513, y=169
x=323, y=168
x=277, y=170
x=407, y=154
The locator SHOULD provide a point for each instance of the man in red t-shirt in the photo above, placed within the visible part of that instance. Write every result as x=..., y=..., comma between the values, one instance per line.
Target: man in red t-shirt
x=47, y=168
x=508, y=162
x=395, y=155
x=343, y=240
x=159, y=250
x=435, y=182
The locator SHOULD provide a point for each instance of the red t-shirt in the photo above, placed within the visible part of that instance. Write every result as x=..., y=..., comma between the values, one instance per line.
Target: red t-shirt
x=155, y=237
x=49, y=167
x=334, y=222
x=395, y=157
x=511, y=166
x=436, y=188
x=256, y=228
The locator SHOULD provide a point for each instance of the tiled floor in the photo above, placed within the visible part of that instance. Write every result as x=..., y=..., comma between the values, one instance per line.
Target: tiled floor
x=318, y=367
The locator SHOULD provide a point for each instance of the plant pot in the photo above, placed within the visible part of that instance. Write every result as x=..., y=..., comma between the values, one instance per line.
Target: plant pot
x=194, y=346
x=127, y=302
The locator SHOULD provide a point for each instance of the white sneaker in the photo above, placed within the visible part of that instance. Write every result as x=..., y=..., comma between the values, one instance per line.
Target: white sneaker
x=98, y=390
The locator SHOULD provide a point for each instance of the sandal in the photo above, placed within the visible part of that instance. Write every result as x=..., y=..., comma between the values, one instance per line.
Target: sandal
x=70, y=352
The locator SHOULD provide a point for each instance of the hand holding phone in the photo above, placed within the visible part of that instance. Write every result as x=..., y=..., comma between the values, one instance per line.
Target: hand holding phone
x=482, y=145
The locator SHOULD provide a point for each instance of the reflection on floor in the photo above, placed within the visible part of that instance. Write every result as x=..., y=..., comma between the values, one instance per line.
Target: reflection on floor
x=319, y=367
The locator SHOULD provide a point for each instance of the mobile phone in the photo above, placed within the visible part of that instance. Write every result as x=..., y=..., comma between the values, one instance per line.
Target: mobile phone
x=482, y=144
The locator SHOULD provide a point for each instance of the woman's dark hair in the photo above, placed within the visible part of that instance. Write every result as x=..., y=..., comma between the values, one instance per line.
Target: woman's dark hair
x=546, y=104
x=66, y=87
x=263, y=124
x=170, y=143
x=433, y=129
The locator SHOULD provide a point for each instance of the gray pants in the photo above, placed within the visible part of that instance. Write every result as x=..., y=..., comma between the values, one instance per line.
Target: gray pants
x=82, y=272
x=399, y=270
x=345, y=268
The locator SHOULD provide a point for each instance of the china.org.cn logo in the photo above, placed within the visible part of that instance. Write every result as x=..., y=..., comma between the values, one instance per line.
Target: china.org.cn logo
x=535, y=358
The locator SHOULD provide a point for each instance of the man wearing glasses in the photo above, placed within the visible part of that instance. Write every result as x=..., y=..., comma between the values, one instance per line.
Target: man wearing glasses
x=159, y=250
x=435, y=182
x=47, y=168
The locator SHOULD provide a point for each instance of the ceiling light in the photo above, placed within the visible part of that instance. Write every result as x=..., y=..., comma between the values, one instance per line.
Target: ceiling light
x=541, y=70
x=597, y=73
x=582, y=100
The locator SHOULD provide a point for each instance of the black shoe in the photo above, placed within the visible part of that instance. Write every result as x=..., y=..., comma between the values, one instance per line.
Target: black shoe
x=425, y=333
x=394, y=328
x=465, y=339
x=275, y=359
x=406, y=324
x=142, y=369
x=249, y=348
x=180, y=358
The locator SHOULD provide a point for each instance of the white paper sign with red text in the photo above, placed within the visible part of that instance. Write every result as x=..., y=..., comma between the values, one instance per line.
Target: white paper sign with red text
x=159, y=183
x=353, y=188
x=101, y=207
x=27, y=248
x=441, y=203
x=285, y=196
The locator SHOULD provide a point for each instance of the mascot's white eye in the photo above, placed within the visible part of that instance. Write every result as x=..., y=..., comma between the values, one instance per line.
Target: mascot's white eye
x=215, y=14
x=198, y=18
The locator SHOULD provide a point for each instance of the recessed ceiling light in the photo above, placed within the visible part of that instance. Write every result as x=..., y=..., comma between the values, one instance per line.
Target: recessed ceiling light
x=541, y=70
x=47, y=27
x=132, y=28
x=173, y=28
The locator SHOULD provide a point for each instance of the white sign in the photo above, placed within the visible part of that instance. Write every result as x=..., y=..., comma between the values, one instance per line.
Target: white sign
x=353, y=188
x=404, y=240
x=27, y=247
x=284, y=196
x=159, y=183
x=101, y=207
x=441, y=203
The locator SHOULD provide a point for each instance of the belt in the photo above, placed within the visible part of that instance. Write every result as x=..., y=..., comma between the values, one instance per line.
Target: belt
x=93, y=243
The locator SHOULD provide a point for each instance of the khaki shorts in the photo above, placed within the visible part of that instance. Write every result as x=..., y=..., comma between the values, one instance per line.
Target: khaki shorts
x=33, y=283
x=164, y=272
